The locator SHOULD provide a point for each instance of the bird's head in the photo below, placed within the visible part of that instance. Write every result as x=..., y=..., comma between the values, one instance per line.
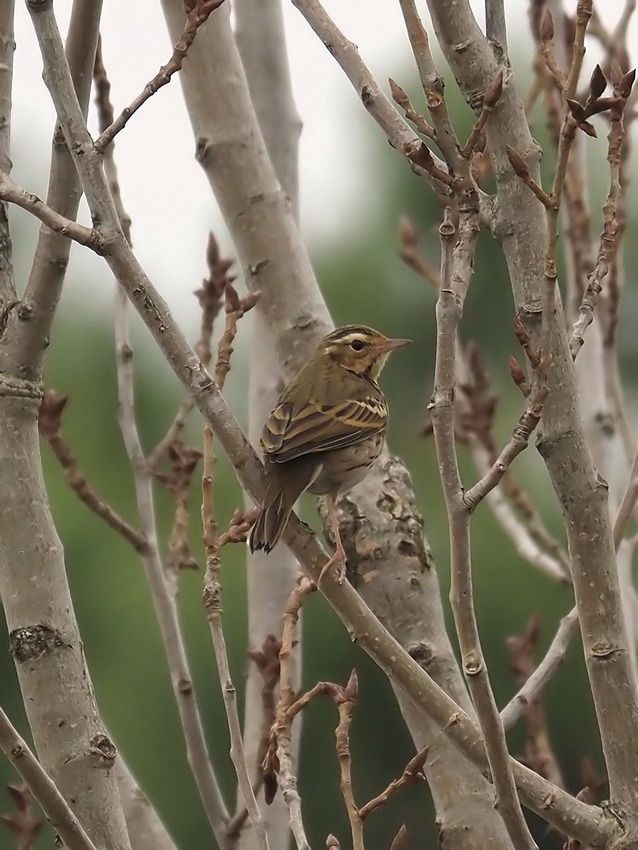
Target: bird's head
x=359, y=349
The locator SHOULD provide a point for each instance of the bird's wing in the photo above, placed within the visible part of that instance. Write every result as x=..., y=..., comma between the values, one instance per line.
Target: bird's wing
x=290, y=433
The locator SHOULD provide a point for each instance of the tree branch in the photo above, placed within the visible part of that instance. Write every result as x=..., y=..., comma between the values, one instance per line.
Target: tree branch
x=562, y=443
x=162, y=595
x=44, y=789
x=544, y=671
x=212, y=605
x=261, y=42
x=48, y=270
x=585, y=822
x=198, y=13
x=457, y=258
x=57, y=223
x=7, y=48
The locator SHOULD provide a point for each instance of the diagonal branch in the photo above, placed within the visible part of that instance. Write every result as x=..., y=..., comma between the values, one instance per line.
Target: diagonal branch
x=162, y=594
x=50, y=423
x=198, y=13
x=48, y=270
x=44, y=790
x=583, y=821
x=544, y=671
x=380, y=107
x=59, y=224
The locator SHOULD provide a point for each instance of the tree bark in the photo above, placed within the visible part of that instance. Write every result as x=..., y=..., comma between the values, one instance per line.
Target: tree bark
x=44, y=640
x=519, y=224
x=393, y=574
x=270, y=579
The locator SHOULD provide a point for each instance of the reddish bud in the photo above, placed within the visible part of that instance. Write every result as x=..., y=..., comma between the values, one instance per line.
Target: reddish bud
x=597, y=83
x=517, y=162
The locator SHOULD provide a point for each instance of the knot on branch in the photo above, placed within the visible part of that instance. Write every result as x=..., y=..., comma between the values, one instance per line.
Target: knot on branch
x=20, y=388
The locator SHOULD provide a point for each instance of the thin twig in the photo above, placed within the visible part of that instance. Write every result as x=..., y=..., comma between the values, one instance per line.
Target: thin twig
x=162, y=593
x=554, y=656
x=346, y=702
x=575, y=818
x=518, y=442
x=43, y=788
x=210, y=296
x=456, y=273
x=490, y=99
x=197, y=15
x=608, y=240
x=50, y=423
x=14, y=194
x=539, y=754
x=213, y=607
x=627, y=503
x=400, y=97
x=278, y=764
x=412, y=773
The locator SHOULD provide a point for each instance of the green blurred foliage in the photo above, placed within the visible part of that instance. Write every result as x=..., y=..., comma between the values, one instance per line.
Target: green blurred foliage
x=364, y=281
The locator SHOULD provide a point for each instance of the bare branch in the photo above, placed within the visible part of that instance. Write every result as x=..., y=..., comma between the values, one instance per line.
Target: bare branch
x=13, y=194
x=544, y=671
x=162, y=594
x=44, y=286
x=7, y=47
x=198, y=13
x=489, y=102
x=400, y=97
x=456, y=272
x=580, y=820
x=375, y=101
x=495, y=27
x=279, y=760
x=582, y=495
x=627, y=504
x=412, y=773
x=538, y=753
x=49, y=423
x=346, y=701
x=432, y=85
x=608, y=239
x=213, y=608
x=44, y=789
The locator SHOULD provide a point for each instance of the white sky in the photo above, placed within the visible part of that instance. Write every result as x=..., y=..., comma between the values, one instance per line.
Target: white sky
x=163, y=188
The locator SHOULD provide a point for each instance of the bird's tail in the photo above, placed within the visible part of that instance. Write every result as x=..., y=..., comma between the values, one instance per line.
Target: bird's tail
x=271, y=521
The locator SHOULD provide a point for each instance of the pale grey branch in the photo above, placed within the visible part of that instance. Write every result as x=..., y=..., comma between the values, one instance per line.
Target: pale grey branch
x=585, y=822
x=14, y=194
x=44, y=789
x=553, y=658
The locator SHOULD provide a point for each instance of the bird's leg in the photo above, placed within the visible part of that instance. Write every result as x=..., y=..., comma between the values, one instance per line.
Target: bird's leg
x=339, y=556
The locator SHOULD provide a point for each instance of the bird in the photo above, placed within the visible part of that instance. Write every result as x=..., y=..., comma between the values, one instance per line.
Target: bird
x=326, y=430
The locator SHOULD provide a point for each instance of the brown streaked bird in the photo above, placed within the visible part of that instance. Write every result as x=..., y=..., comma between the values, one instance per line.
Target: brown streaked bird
x=325, y=432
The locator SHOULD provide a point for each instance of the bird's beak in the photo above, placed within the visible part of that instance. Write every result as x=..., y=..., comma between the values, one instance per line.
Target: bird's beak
x=391, y=344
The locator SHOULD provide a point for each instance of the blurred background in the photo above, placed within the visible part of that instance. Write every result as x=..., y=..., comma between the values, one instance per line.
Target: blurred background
x=354, y=190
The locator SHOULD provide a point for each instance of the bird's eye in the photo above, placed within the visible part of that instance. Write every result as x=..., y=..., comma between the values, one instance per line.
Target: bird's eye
x=357, y=344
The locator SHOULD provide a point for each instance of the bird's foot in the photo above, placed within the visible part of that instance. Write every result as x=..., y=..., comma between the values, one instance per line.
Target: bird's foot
x=339, y=558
